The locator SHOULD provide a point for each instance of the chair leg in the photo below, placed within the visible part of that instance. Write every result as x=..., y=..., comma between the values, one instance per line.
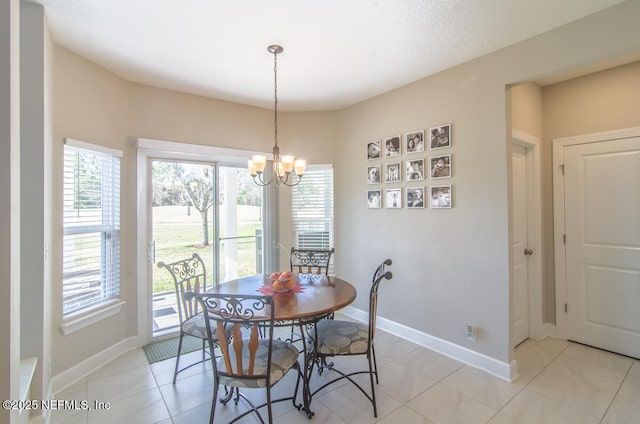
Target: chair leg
x=237, y=399
x=269, y=412
x=373, y=389
x=295, y=391
x=175, y=372
x=375, y=363
x=203, y=344
x=213, y=402
x=228, y=395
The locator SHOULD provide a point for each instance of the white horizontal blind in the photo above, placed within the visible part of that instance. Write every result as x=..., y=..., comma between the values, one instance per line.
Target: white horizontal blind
x=91, y=220
x=312, y=210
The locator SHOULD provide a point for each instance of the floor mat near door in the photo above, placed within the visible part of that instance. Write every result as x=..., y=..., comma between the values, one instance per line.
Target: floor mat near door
x=165, y=349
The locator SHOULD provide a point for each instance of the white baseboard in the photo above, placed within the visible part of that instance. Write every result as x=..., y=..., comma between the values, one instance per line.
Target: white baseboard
x=86, y=367
x=503, y=370
x=81, y=370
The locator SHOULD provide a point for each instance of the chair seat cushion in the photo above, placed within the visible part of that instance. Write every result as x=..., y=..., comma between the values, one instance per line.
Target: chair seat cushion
x=283, y=358
x=196, y=327
x=337, y=337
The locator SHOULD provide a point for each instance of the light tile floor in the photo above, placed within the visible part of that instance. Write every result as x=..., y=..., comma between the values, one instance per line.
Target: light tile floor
x=559, y=382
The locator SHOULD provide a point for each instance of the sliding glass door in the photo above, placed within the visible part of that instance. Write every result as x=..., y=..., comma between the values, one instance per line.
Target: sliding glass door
x=205, y=208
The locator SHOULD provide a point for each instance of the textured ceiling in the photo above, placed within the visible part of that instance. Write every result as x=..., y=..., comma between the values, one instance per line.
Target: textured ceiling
x=336, y=52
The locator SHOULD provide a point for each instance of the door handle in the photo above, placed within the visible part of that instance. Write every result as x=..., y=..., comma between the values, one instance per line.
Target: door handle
x=151, y=252
x=528, y=252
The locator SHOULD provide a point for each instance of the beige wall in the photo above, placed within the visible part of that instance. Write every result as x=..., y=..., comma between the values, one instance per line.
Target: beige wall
x=168, y=115
x=526, y=109
x=598, y=102
x=451, y=267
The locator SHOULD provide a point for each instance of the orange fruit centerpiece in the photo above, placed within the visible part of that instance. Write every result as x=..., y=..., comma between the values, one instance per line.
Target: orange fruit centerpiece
x=278, y=286
x=290, y=283
x=288, y=279
x=282, y=281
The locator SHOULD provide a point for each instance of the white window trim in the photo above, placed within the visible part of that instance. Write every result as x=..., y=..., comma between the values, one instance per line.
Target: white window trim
x=90, y=316
x=95, y=147
x=85, y=317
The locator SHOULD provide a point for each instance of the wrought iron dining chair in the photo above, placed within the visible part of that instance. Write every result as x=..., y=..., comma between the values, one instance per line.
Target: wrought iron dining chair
x=189, y=275
x=309, y=261
x=341, y=338
x=247, y=360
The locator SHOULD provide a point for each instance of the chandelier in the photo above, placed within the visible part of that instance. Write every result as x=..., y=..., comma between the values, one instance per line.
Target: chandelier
x=283, y=166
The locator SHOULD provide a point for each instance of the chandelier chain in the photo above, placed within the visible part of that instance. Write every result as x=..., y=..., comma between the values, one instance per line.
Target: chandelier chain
x=275, y=95
x=283, y=166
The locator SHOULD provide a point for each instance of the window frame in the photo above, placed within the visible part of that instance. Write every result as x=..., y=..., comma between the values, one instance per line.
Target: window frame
x=301, y=223
x=78, y=313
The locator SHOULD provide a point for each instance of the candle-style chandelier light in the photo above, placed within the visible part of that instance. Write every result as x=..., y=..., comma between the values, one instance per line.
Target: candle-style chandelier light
x=286, y=169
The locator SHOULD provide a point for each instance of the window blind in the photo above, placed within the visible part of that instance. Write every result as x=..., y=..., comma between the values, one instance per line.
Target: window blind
x=91, y=222
x=312, y=210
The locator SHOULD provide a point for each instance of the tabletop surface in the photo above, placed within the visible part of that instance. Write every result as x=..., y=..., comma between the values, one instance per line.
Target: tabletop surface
x=317, y=295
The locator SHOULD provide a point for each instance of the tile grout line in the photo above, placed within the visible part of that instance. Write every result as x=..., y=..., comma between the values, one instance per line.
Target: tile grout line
x=164, y=401
x=590, y=362
x=532, y=378
x=615, y=395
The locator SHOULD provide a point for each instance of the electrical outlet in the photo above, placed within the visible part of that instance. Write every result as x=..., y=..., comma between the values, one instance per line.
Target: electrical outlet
x=472, y=333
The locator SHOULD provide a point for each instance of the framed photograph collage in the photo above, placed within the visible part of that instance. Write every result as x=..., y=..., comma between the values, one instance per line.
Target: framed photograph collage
x=397, y=158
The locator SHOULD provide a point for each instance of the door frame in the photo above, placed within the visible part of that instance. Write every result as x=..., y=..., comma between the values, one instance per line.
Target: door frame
x=534, y=233
x=558, y=213
x=147, y=150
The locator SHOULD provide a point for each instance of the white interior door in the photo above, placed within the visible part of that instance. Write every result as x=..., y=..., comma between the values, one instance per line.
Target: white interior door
x=602, y=225
x=520, y=317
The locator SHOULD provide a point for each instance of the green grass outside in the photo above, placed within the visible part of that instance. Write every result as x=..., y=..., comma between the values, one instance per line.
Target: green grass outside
x=177, y=236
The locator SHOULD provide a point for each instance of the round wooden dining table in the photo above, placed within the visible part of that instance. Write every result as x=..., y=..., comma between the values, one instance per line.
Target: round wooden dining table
x=313, y=297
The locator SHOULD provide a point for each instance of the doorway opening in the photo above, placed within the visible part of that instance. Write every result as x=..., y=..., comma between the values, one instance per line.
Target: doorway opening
x=526, y=255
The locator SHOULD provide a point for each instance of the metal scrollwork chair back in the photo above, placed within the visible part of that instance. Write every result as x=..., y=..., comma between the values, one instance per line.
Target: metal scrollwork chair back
x=189, y=275
x=341, y=338
x=310, y=261
x=247, y=360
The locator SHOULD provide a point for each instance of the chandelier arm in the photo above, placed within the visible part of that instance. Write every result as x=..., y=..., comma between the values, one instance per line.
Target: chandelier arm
x=284, y=180
x=260, y=181
x=291, y=184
